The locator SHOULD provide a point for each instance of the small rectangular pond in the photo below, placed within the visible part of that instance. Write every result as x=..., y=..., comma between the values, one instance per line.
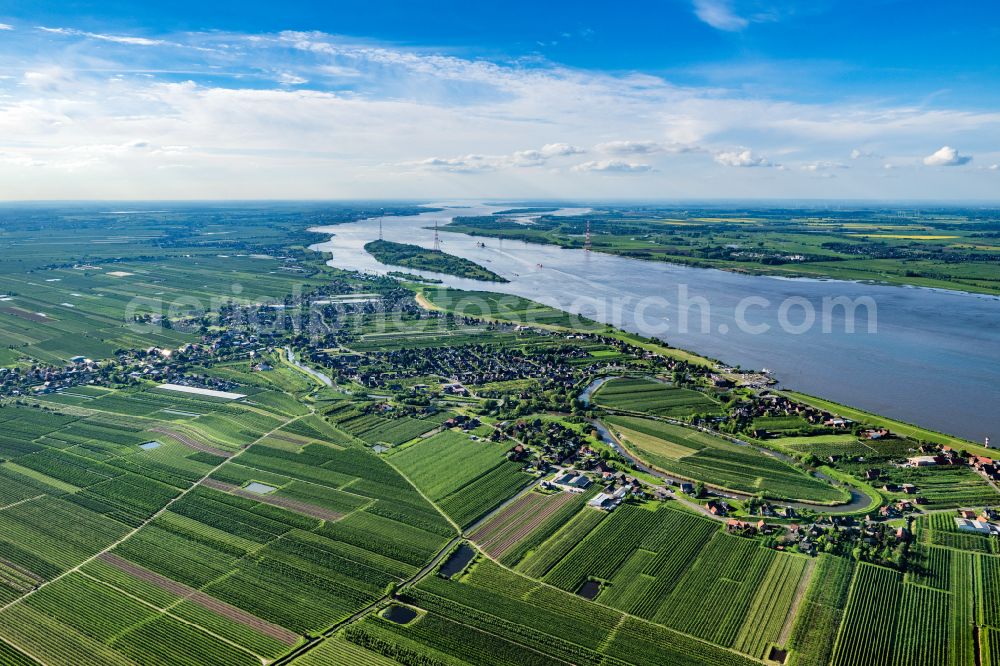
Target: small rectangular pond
x=589, y=590
x=399, y=614
x=259, y=488
x=457, y=561
x=148, y=446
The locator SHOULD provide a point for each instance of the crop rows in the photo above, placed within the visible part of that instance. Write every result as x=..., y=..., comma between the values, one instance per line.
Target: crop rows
x=820, y=614
x=714, y=597
x=518, y=520
x=989, y=641
x=922, y=627
x=469, y=644
x=677, y=543
x=541, y=533
x=480, y=496
x=642, y=395
x=960, y=541
x=48, y=536
x=961, y=647
x=601, y=553
x=551, y=552
x=934, y=567
x=987, y=585
x=375, y=429
x=641, y=643
x=770, y=608
x=705, y=457
x=869, y=626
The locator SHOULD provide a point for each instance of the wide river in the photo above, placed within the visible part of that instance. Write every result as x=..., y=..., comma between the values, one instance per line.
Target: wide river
x=925, y=356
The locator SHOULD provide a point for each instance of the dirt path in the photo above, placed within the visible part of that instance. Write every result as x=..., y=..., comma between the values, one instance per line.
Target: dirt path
x=800, y=595
x=297, y=506
x=195, y=596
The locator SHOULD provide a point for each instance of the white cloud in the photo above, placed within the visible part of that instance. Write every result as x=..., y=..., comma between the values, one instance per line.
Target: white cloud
x=823, y=166
x=860, y=153
x=613, y=166
x=629, y=147
x=289, y=79
x=47, y=79
x=479, y=163
x=117, y=39
x=385, y=121
x=946, y=156
x=523, y=158
x=466, y=164
x=560, y=150
x=994, y=167
x=339, y=71
x=741, y=158
x=6, y=26
x=719, y=14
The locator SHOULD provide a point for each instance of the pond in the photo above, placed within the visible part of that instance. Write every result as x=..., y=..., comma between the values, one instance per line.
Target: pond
x=458, y=561
x=399, y=614
x=150, y=445
x=589, y=590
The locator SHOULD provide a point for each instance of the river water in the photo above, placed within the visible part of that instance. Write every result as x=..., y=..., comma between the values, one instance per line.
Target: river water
x=926, y=356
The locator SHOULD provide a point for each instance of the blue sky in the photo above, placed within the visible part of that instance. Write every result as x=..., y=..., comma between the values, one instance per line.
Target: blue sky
x=648, y=99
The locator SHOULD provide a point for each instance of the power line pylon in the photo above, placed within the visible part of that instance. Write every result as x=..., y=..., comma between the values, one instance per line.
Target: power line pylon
x=380, y=223
x=586, y=238
x=437, y=240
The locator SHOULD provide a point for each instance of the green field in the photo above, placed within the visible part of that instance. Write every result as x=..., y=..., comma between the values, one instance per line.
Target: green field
x=201, y=574
x=144, y=526
x=701, y=456
x=652, y=397
x=463, y=477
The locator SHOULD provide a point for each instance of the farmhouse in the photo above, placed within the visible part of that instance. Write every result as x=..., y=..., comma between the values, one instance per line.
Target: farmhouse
x=734, y=526
x=717, y=508
x=922, y=461
x=572, y=481
x=604, y=501
x=455, y=389
x=976, y=526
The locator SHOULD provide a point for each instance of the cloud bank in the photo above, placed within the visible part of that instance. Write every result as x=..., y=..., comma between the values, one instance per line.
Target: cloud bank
x=312, y=115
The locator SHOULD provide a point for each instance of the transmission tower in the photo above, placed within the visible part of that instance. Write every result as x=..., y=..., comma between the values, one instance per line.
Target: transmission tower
x=437, y=241
x=586, y=238
x=381, y=215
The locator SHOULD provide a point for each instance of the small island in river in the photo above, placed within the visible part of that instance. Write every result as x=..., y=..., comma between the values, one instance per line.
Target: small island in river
x=420, y=258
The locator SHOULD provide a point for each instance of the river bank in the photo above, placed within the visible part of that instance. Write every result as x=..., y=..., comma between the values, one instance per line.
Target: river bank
x=930, y=359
